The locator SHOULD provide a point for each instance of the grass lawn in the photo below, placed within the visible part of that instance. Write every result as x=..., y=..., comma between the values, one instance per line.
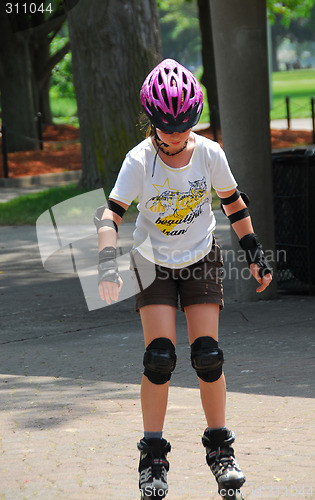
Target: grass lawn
x=64, y=110
x=26, y=209
x=299, y=85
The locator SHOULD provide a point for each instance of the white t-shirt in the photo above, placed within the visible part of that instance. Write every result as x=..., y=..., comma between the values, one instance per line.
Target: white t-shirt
x=175, y=222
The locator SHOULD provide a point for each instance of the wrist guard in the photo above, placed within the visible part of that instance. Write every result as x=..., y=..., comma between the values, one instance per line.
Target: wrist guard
x=107, y=267
x=254, y=253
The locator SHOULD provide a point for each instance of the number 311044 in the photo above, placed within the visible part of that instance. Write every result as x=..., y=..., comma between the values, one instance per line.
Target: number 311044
x=27, y=8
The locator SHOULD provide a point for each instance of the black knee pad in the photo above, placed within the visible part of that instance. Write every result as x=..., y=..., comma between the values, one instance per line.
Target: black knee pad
x=207, y=359
x=159, y=360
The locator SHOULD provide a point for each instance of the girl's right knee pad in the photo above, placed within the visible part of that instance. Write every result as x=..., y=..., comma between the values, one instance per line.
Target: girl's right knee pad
x=159, y=360
x=207, y=359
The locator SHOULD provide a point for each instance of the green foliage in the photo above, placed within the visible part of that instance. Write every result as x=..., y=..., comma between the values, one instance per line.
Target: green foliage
x=289, y=10
x=62, y=94
x=204, y=118
x=180, y=31
x=61, y=83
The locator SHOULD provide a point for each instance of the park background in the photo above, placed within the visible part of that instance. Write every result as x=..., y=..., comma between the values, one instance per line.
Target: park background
x=291, y=49
x=64, y=68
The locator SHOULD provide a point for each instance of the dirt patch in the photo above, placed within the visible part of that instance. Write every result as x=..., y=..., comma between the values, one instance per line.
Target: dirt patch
x=62, y=150
x=279, y=138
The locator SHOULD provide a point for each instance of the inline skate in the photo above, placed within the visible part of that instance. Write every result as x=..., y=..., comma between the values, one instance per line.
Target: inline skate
x=153, y=468
x=221, y=460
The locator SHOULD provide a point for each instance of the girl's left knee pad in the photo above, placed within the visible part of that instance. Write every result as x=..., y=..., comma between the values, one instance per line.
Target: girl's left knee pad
x=207, y=359
x=159, y=360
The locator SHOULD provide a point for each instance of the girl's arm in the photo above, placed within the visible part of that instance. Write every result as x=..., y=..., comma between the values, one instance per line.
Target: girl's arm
x=107, y=243
x=242, y=228
x=106, y=235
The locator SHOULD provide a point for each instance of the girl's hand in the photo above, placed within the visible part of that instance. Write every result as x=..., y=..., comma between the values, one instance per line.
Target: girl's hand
x=264, y=282
x=110, y=291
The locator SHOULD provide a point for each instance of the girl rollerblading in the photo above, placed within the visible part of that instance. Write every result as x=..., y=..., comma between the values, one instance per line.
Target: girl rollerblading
x=172, y=173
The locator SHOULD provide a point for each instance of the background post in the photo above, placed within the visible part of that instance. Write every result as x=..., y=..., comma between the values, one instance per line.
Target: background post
x=240, y=44
x=4, y=152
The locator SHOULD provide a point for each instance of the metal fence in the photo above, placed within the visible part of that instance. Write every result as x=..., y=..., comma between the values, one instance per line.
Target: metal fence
x=294, y=211
x=288, y=115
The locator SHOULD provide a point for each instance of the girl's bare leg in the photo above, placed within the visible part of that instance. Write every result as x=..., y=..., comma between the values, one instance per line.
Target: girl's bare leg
x=157, y=321
x=203, y=320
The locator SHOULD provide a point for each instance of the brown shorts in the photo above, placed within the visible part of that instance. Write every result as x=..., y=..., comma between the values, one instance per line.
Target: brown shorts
x=199, y=283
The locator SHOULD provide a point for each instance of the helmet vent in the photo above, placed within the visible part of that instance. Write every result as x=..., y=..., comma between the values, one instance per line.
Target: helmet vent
x=154, y=92
x=174, y=103
x=165, y=97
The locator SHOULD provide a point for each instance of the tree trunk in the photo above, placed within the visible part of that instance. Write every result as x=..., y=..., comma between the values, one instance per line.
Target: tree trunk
x=44, y=104
x=41, y=79
x=240, y=41
x=114, y=45
x=209, y=79
x=25, y=69
x=17, y=103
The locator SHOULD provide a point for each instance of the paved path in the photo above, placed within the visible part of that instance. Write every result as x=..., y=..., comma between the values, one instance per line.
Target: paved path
x=69, y=390
x=295, y=124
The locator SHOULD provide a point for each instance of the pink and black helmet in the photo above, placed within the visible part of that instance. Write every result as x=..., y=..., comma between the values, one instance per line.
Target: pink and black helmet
x=171, y=97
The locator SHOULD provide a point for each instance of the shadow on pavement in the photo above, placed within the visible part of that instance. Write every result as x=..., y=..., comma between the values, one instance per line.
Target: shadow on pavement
x=51, y=343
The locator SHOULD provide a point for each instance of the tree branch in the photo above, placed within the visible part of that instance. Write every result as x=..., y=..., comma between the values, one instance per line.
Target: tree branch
x=52, y=61
x=54, y=23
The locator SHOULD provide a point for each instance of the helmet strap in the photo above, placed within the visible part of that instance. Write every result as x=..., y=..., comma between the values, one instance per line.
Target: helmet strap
x=154, y=163
x=177, y=152
x=157, y=139
x=161, y=143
